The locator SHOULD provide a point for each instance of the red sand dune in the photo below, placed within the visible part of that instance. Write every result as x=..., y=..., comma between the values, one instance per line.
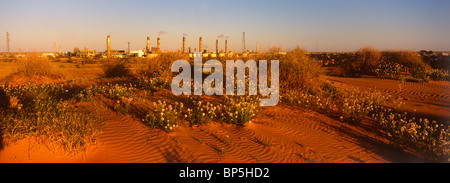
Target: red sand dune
x=428, y=99
x=295, y=135
x=278, y=134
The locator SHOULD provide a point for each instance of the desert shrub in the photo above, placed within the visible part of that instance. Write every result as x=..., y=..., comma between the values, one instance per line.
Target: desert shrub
x=164, y=116
x=349, y=105
x=406, y=131
x=306, y=100
x=87, y=94
x=298, y=71
x=162, y=63
x=27, y=93
x=413, y=63
x=389, y=64
x=400, y=64
x=154, y=68
x=354, y=106
x=238, y=109
x=438, y=75
x=272, y=54
x=122, y=105
x=114, y=92
x=35, y=67
x=47, y=118
x=201, y=112
x=406, y=58
x=153, y=84
x=390, y=70
x=365, y=61
x=4, y=100
x=116, y=68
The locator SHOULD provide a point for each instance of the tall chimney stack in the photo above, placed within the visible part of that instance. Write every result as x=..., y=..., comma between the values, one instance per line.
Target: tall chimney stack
x=217, y=46
x=60, y=49
x=243, y=42
x=7, y=41
x=128, y=48
x=200, y=45
x=257, y=48
x=226, y=46
x=54, y=47
x=147, y=48
x=159, y=43
x=108, y=46
x=184, y=44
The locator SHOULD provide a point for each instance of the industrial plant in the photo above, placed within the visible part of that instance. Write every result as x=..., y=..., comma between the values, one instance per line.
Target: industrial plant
x=324, y=58
x=146, y=52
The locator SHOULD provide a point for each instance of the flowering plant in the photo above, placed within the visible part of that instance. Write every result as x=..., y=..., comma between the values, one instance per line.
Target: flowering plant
x=239, y=109
x=164, y=116
x=201, y=113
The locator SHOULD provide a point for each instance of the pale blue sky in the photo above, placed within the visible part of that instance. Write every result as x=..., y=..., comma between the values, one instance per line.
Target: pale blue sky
x=335, y=25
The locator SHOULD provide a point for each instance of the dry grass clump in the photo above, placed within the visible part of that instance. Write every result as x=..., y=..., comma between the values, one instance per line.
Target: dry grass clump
x=272, y=54
x=162, y=63
x=116, y=68
x=35, y=67
x=33, y=70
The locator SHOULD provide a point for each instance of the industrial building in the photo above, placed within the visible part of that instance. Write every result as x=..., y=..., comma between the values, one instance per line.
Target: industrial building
x=85, y=53
x=146, y=52
x=150, y=52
